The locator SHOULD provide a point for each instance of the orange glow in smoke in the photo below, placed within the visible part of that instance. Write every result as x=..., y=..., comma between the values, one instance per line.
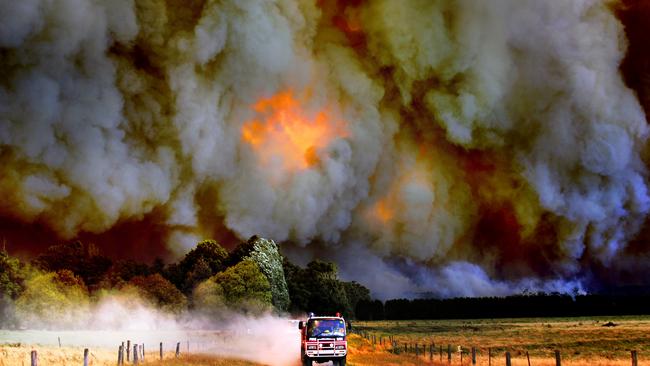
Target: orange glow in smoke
x=283, y=133
x=383, y=211
x=388, y=208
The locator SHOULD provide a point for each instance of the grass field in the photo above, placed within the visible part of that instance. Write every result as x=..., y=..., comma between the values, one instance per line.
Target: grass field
x=581, y=341
x=73, y=356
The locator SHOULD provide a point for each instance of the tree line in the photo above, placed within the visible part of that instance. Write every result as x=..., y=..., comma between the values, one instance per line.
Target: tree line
x=253, y=278
x=516, y=306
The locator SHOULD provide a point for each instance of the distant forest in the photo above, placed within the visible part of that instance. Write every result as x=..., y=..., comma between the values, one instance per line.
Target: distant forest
x=252, y=278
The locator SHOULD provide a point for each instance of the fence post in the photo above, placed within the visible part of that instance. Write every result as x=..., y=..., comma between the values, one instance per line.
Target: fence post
x=142, y=352
x=431, y=352
x=161, y=350
x=449, y=352
x=441, y=353
x=34, y=358
x=558, y=359
x=508, y=362
x=528, y=358
x=416, y=350
x=473, y=355
x=634, y=359
x=59, y=342
x=119, y=355
x=85, y=356
x=128, y=350
x=135, y=354
x=178, y=349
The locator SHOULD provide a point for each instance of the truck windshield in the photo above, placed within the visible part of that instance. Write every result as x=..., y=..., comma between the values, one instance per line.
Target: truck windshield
x=325, y=328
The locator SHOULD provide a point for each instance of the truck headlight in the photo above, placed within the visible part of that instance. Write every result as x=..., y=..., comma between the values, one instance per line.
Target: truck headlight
x=340, y=347
x=311, y=347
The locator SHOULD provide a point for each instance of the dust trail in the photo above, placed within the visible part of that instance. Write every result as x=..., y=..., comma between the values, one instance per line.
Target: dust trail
x=114, y=319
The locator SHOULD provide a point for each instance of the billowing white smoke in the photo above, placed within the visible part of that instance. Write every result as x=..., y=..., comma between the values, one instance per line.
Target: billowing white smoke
x=110, y=110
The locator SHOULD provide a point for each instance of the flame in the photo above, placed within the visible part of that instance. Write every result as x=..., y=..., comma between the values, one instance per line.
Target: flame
x=285, y=133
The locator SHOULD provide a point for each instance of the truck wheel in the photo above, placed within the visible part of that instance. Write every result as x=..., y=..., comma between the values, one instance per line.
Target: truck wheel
x=306, y=361
x=342, y=361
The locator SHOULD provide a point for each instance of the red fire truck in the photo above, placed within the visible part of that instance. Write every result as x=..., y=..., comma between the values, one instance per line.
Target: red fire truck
x=323, y=338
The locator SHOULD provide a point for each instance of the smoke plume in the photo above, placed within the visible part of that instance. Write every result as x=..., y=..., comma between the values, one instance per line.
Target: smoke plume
x=465, y=148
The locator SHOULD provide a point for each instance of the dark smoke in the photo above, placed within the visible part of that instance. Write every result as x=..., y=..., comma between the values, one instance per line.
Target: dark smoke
x=449, y=148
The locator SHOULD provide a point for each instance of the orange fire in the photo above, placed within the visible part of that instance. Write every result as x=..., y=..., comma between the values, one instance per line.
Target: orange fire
x=383, y=211
x=284, y=134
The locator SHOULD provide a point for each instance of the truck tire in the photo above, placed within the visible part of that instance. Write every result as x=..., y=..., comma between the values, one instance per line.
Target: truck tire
x=342, y=361
x=306, y=361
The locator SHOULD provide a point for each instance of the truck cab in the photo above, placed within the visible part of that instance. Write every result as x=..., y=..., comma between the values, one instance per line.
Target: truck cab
x=323, y=338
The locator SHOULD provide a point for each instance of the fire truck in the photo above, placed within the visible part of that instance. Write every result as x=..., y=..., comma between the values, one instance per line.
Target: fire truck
x=323, y=338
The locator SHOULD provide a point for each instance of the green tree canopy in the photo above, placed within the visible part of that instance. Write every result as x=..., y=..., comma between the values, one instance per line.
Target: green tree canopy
x=317, y=289
x=205, y=260
x=160, y=292
x=12, y=284
x=213, y=254
x=52, y=299
x=240, y=287
x=12, y=280
x=355, y=293
x=83, y=260
x=265, y=253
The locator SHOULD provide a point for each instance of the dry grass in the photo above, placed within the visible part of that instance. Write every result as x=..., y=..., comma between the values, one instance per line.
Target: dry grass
x=364, y=353
x=581, y=341
x=70, y=356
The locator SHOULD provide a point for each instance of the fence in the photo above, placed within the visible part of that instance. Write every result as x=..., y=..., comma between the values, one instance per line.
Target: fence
x=431, y=351
x=134, y=353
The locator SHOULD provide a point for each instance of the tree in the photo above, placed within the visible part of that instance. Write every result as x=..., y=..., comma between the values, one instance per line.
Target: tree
x=83, y=260
x=240, y=287
x=323, y=270
x=355, y=292
x=298, y=286
x=317, y=289
x=328, y=293
x=12, y=280
x=52, y=299
x=209, y=251
x=12, y=284
x=369, y=310
x=191, y=270
x=127, y=269
x=160, y=292
x=265, y=253
x=121, y=272
x=199, y=273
